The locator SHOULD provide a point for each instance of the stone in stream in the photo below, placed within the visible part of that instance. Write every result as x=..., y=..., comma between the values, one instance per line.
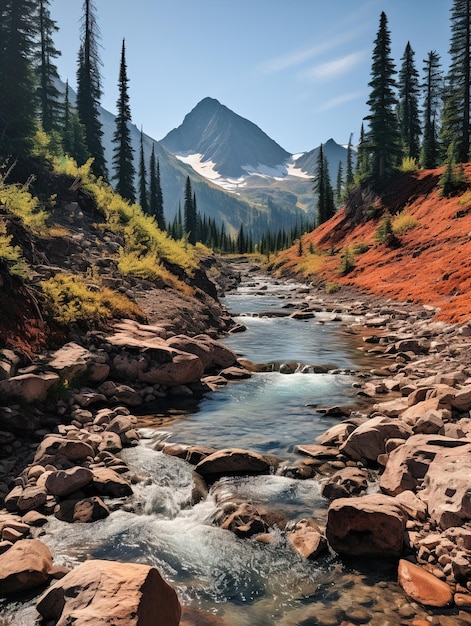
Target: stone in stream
x=370, y=525
x=422, y=586
x=232, y=461
x=101, y=593
x=24, y=566
x=307, y=539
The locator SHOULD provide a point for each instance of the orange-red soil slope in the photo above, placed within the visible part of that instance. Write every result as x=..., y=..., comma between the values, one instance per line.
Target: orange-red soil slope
x=430, y=264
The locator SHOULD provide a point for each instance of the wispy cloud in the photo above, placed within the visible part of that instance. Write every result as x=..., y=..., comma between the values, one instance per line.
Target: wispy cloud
x=339, y=100
x=293, y=59
x=336, y=67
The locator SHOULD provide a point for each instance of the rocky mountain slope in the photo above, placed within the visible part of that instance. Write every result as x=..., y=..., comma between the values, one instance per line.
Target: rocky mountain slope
x=425, y=257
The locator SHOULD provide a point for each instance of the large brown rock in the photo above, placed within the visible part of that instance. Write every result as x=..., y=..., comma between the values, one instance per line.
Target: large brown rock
x=72, y=361
x=232, y=461
x=83, y=511
x=347, y=482
x=107, y=482
x=194, y=346
x=307, y=539
x=244, y=520
x=55, y=445
x=107, y=593
x=222, y=356
x=408, y=464
x=422, y=586
x=448, y=487
x=368, y=441
x=366, y=526
x=29, y=388
x=24, y=566
x=64, y=482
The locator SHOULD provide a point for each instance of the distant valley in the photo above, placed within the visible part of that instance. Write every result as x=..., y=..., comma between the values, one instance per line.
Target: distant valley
x=238, y=173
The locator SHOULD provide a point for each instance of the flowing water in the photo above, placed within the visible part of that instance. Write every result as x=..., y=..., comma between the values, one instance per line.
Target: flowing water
x=244, y=582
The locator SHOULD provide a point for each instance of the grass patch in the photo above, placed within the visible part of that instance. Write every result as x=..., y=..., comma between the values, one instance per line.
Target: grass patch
x=331, y=287
x=18, y=201
x=310, y=265
x=69, y=300
x=10, y=255
x=403, y=222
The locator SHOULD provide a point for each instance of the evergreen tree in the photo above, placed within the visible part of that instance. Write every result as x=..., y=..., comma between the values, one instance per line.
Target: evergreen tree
x=363, y=161
x=382, y=137
x=50, y=102
x=89, y=88
x=73, y=132
x=339, y=186
x=409, y=116
x=123, y=158
x=18, y=37
x=190, y=217
x=456, y=111
x=143, y=198
x=433, y=86
x=349, y=179
x=323, y=188
x=156, y=201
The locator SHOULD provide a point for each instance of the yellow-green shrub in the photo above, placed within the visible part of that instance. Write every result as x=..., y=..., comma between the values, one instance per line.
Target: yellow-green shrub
x=409, y=164
x=310, y=265
x=9, y=254
x=403, y=222
x=18, y=201
x=69, y=299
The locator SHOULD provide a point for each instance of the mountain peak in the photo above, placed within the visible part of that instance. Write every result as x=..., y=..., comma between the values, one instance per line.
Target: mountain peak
x=230, y=142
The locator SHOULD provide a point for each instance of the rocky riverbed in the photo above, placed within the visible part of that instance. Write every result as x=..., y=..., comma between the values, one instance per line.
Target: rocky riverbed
x=395, y=468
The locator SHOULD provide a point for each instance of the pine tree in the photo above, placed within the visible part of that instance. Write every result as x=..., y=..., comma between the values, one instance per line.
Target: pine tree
x=156, y=201
x=382, y=137
x=50, y=102
x=73, y=132
x=189, y=210
x=339, y=186
x=123, y=158
x=433, y=86
x=18, y=103
x=349, y=179
x=409, y=116
x=143, y=198
x=456, y=111
x=89, y=88
x=363, y=160
x=323, y=188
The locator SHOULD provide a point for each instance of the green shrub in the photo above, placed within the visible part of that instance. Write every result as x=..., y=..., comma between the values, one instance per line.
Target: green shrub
x=360, y=248
x=403, y=222
x=347, y=262
x=331, y=287
x=384, y=230
x=69, y=299
x=409, y=164
x=10, y=255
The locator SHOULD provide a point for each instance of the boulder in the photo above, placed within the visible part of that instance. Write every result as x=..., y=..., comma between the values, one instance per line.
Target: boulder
x=107, y=482
x=462, y=399
x=55, y=445
x=347, y=482
x=64, y=482
x=307, y=539
x=191, y=454
x=105, y=593
x=422, y=586
x=32, y=497
x=83, y=511
x=72, y=361
x=408, y=464
x=198, y=347
x=336, y=434
x=368, y=441
x=447, y=487
x=232, y=461
x=366, y=526
x=436, y=404
x=118, y=393
x=29, y=388
x=222, y=356
x=184, y=369
x=244, y=520
x=24, y=566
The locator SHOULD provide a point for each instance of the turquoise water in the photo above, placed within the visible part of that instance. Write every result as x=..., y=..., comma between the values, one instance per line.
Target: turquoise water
x=244, y=582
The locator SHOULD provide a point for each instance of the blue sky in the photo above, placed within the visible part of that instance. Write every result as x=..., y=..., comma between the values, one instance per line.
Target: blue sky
x=298, y=69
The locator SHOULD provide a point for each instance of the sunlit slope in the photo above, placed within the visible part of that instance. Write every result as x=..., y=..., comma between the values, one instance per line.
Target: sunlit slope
x=427, y=260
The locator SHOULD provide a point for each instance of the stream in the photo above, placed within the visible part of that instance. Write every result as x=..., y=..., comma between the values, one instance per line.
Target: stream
x=242, y=581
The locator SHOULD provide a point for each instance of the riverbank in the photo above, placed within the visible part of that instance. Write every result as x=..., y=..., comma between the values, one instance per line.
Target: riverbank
x=416, y=361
